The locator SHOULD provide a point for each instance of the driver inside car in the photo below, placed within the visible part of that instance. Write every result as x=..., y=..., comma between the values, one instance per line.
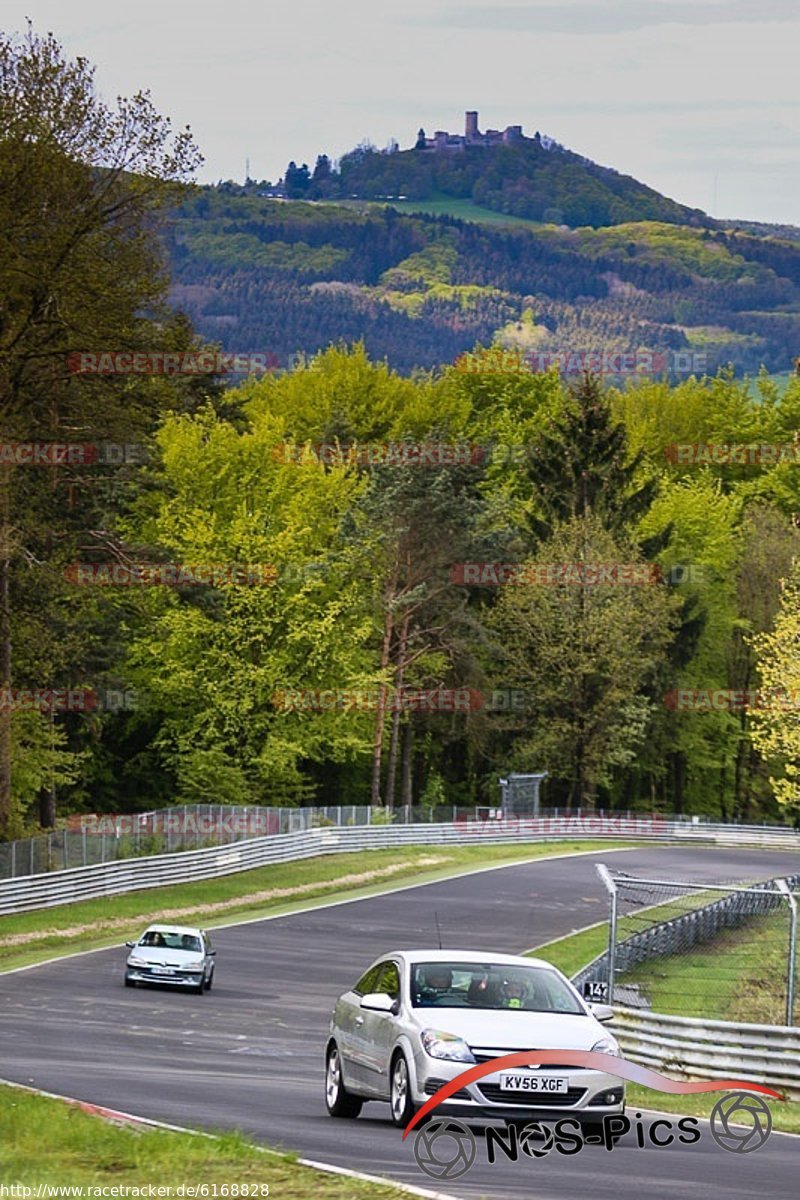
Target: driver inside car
x=513, y=994
x=436, y=981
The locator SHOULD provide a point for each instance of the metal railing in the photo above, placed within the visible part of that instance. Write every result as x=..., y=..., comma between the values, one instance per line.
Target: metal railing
x=700, y=1049
x=107, y=838
x=89, y=840
x=133, y=874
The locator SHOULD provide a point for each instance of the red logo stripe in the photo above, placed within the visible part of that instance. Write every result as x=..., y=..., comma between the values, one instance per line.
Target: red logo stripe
x=623, y=1068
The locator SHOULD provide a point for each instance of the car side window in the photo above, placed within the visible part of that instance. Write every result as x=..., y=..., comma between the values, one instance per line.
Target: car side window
x=366, y=983
x=389, y=981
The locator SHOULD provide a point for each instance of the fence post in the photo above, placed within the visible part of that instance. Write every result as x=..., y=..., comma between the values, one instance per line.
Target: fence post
x=792, y=965
x=605, y=875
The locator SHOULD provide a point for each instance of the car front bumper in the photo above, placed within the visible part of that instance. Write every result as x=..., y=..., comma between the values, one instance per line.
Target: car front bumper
x=590, y=1095
x=179, y=979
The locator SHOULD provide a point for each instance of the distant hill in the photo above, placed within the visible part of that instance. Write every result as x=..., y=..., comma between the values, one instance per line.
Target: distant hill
x=533, y=177
x=258, y=274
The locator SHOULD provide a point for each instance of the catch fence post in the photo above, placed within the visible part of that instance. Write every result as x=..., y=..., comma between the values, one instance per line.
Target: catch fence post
x=611, y=887
x=792, y=962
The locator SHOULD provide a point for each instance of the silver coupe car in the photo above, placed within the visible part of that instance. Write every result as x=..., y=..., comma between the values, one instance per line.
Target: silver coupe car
x=418, y=1018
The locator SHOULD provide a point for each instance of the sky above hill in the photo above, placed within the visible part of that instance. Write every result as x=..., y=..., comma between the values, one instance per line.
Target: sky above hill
x=696, y=98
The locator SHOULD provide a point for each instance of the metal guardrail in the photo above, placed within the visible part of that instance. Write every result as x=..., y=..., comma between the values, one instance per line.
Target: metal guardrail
x=134, y=874
x=700, y=1049
x=91, y=838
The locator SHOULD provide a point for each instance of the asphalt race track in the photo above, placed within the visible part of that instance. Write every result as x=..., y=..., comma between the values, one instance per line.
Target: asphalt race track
x=249, y=1053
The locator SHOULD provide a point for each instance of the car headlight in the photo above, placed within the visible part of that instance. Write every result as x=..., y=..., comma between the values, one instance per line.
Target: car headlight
x=446, y=1045
x=194, y=963
x=133, y=961
x=606, y=1045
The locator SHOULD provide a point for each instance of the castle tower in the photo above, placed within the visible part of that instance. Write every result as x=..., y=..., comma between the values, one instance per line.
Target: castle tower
x=471, y=125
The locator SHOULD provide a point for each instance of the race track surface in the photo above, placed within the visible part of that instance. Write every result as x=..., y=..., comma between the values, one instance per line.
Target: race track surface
x=249, y=1053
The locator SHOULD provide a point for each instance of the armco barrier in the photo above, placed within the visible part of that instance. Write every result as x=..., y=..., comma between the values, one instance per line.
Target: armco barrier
x=134, y=874
x=700, y=1049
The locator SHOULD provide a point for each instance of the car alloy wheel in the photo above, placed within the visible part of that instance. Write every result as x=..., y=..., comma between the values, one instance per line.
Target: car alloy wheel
x=338, y=1100
x=400, y=1098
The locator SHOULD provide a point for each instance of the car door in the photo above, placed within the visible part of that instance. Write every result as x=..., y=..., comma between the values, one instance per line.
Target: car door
x=348, y=1021
x=208, y=956
x=379, y=1031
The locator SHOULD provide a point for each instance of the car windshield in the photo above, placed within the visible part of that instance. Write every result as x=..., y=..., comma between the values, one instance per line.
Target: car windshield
x=490, y=985
x=169, y=940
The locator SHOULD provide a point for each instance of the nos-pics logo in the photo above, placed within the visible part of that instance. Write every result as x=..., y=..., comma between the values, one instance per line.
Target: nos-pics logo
x=445, y=1149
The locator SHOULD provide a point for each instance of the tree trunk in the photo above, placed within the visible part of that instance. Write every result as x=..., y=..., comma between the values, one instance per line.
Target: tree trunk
x=5, y=648
x=391, y=768
x=406, y=762
x=380, y=714
x=678, y=773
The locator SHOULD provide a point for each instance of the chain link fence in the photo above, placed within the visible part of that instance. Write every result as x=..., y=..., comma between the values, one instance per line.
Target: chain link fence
x=720, y=951
x=98, y=838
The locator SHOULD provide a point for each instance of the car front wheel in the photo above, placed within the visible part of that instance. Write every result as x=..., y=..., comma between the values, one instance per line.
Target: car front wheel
x=339, y=1102
x=400, y=1100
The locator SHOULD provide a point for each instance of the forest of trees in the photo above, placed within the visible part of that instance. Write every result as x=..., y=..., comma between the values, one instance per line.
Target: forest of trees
x=367, y=585
x=255, y=273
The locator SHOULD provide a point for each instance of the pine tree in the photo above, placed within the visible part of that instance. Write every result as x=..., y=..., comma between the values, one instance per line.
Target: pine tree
x=579, y=467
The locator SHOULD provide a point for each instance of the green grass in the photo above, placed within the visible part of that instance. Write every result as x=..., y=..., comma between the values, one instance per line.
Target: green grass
x=785, y=1117
x=91, y=924
x=739, y=976
x=464, y=210
x=571, y=953
x=47, y=1141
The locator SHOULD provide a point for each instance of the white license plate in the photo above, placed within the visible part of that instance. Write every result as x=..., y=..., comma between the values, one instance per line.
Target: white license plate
x=533, y=1083
x=163, y=971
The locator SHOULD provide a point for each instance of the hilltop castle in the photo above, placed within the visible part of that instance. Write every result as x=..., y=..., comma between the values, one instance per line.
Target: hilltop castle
x=442, y=140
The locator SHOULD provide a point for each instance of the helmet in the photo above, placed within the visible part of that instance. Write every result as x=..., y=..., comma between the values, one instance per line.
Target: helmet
x=438, y=977
x=513, y=992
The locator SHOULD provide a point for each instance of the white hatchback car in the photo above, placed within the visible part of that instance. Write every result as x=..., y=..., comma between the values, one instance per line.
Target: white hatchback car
x=178, y=955
x=418, y=1018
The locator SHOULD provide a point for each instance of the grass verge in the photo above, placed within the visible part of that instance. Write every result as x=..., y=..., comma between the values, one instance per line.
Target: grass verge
x=81, y=1150
x=571, y=953
x=27, y=938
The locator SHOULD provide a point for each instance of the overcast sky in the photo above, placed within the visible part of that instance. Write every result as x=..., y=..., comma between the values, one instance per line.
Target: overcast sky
x=698, y=98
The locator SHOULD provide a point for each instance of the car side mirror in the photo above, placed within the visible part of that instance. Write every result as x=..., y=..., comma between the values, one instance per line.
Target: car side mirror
x=379, y=1002
x=211, y=952
x=602, y=1012
x=131, y=944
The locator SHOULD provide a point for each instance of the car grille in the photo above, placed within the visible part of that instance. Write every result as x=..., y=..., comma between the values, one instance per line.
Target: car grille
x=497, y=1095
x=432, y=1086
x=487, y=1055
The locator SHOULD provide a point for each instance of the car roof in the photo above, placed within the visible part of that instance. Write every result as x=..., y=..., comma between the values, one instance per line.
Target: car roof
x=173, y=929
x=468, y=956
